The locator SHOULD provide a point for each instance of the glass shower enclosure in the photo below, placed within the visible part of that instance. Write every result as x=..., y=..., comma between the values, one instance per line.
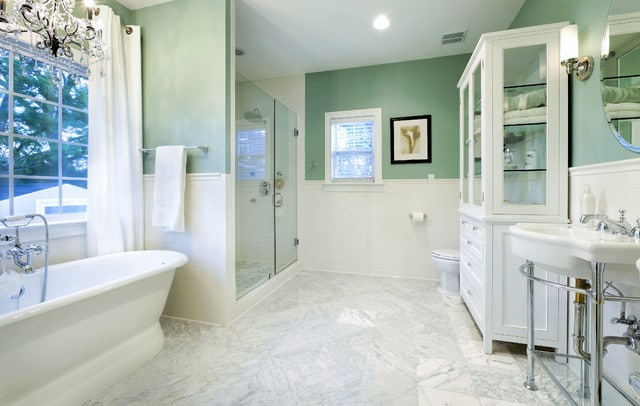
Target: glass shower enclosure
x=266, y=187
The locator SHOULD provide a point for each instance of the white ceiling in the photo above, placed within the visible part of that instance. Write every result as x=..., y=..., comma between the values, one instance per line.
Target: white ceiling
x=288, y=37
x=136, y=4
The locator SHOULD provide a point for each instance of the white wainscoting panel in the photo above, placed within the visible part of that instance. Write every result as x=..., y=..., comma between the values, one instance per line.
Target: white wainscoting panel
x=201, y=288
x=616, y=185
x=371, y=232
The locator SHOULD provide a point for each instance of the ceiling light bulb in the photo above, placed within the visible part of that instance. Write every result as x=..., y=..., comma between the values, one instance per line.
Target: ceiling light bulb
x=381, y=22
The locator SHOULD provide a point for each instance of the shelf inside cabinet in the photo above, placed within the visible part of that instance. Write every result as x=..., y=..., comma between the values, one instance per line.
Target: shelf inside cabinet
x=523, y=132
x=525, y=86
x=526, y=170
x=525, y=104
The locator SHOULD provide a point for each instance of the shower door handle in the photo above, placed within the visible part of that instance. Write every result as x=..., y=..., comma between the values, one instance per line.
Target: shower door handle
x=265, y=188
x=277, y=199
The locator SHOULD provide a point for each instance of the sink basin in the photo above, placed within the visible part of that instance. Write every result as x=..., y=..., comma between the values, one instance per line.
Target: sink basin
x=570, y=249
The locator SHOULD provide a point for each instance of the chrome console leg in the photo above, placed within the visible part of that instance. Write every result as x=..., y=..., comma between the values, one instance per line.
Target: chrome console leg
x=596, y=303
x=581, y=336
x=530, y=382
x=585, y=391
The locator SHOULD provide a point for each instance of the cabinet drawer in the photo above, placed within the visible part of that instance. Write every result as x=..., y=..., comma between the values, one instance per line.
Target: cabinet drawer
x=473, y=249
x=473, y=295
x=469, y=263
x=472, y=238
x=471, y=229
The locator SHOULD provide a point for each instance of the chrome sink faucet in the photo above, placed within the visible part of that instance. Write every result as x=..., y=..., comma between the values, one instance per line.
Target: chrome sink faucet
x=607, y=225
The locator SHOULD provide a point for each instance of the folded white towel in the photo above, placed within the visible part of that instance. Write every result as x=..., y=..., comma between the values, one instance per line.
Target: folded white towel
x=168, y=188
x=535, y=115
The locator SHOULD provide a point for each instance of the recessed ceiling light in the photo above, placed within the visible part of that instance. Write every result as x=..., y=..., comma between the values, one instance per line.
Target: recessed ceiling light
x=381, y=22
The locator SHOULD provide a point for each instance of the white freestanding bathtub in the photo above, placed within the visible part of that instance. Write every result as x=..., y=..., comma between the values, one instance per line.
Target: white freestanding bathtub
x=100, y=322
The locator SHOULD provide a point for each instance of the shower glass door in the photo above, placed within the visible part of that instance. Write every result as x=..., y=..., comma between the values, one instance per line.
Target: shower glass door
x=284, y=196
x=265, y=173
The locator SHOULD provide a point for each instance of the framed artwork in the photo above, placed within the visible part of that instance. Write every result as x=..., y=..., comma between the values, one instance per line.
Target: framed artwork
x=411, y=139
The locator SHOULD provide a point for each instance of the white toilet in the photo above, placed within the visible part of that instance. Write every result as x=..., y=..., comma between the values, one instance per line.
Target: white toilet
x=447, y=264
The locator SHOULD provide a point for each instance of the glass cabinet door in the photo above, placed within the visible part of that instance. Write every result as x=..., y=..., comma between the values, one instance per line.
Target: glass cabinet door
x=524, y=126
x=526, y=111
x=476, y=138
x=466, y=145
x=471, y=138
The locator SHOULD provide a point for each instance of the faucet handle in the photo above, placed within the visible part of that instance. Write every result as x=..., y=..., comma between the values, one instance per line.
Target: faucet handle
x=621, y=213
x=6, y=238
x=635, y=231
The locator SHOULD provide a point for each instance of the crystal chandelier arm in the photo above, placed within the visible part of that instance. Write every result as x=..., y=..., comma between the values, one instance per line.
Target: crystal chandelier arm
x=55, y=30
x=72, y=28
x=32, y=18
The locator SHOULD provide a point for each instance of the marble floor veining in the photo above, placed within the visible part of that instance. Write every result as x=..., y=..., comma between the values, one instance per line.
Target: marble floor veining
x=334, y=339
x=250, y=275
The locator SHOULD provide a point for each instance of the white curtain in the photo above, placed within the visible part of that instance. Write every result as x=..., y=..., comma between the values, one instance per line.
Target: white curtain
x=115, y=208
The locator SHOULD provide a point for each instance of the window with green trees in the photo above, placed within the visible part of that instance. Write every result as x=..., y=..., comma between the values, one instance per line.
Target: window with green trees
x=44, y=130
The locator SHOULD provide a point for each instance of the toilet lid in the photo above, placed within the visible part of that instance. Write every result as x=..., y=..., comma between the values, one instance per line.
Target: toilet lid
x=451, y=255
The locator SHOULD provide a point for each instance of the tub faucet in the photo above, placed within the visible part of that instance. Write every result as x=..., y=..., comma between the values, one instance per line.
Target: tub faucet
x=23, y=257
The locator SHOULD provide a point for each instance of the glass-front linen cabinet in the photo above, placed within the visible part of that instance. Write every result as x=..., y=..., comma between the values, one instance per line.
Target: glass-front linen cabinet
x=513, y=169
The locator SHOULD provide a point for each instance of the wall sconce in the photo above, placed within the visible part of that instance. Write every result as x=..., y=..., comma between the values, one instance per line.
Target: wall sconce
x=582, y=66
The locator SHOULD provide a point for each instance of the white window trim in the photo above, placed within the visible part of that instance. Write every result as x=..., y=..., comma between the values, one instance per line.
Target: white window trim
x=22, y=48
x=354, y=185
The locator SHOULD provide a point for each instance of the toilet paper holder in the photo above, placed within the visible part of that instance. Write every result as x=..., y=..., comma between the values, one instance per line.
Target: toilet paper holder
x=418, y=216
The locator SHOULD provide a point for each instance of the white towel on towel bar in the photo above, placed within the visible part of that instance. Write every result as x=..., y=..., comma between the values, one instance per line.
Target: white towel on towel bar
x=169, y=187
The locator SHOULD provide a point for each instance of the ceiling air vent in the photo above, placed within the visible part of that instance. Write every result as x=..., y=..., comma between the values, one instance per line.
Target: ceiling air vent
x=454, y=37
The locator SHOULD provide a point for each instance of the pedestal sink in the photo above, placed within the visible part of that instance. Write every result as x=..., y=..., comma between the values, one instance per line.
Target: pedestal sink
x=571, y=249
x=581, y=252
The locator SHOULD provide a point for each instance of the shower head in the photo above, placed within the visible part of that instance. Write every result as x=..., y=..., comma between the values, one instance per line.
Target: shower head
x=254, y=116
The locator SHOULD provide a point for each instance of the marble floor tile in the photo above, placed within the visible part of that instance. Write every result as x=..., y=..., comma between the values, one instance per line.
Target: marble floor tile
x=250, y=275
x=333, y=339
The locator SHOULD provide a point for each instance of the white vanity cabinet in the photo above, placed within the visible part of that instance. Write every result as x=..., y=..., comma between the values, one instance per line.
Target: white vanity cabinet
x=513, y=169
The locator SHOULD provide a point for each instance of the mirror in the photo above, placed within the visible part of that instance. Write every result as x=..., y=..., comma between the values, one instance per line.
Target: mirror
x=620, y=69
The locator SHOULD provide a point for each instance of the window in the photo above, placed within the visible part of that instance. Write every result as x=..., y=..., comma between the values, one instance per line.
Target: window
x=251, y=153
x=352, y=145
x=44, y=131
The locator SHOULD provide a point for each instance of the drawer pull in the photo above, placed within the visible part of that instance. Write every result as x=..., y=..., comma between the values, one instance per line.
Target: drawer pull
x=469, y=292
x=468, y=242
x=475, y=228
x=469, y=264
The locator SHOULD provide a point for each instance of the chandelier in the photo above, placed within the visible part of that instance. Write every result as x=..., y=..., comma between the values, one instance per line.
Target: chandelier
x=53, y=32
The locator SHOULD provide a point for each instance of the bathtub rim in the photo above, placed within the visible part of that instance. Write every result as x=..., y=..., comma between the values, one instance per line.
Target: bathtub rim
x=174, y=260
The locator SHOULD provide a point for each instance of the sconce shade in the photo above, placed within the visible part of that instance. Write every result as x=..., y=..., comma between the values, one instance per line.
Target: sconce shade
x=569, y=42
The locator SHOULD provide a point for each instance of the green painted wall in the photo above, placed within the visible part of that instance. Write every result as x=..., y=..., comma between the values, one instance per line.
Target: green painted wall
x=186, y=79
x=399, y=89
x=591, y=139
